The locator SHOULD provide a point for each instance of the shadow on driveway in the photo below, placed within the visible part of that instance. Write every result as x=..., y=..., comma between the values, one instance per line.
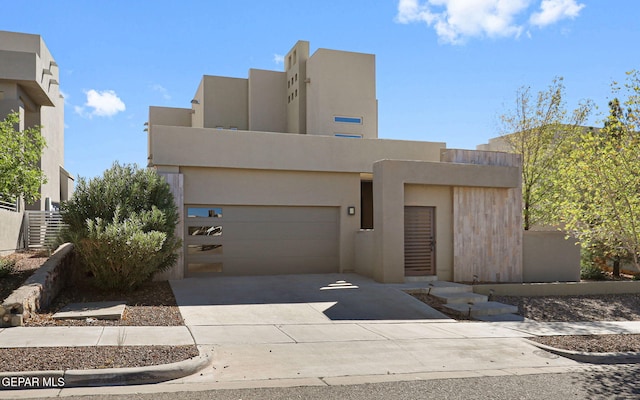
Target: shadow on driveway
x=286, y=299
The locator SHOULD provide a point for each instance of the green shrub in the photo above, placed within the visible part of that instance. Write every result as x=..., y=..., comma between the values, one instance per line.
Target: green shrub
x=123, y=226
x=121, y=254
x=591, y=272
x=7, y=266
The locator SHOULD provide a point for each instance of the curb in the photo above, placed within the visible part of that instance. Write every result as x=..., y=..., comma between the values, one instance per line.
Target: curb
x=591, y=358
x=103, y=377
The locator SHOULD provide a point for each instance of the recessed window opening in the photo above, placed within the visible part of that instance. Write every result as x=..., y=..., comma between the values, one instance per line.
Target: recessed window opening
x=205, y=230
x=204, y=212
x=347, y=120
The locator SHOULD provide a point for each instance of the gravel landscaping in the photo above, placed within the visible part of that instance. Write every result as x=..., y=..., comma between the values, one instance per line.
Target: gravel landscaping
x=611, y=307
x=619, y=307
x=151, y=305
x=63, y=358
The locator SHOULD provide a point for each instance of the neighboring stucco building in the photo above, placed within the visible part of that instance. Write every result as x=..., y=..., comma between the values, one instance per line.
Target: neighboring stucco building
x=29, y=85
x=283, y=172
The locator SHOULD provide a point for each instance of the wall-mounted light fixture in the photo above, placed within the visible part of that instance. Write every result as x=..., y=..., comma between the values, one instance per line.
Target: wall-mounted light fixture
x=146, y=123
x=195, y=101
x=351, y=210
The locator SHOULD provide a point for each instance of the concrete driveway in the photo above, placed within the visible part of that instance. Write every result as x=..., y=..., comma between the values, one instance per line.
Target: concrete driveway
x=295, y=299
x=336, y=329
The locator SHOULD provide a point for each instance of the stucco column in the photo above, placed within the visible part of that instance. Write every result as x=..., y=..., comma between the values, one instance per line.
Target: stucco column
x=388, y=220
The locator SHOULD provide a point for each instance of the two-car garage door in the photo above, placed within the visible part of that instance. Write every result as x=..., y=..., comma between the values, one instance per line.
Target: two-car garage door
x=259, y=240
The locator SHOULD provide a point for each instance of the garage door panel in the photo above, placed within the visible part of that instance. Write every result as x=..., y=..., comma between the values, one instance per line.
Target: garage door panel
x=280, y=265
x=278, y=230
x=279, y=248
x=268, y=240
x=280, y=214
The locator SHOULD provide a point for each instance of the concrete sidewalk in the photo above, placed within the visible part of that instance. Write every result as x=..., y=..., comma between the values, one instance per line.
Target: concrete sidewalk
x=378, y=331
x=323, y=354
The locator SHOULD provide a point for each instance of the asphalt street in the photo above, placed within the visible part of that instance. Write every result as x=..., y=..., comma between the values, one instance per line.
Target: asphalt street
x=602, y=382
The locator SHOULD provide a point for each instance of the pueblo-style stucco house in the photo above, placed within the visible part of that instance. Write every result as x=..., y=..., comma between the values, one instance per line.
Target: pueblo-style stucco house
x=29, y=85
x=283, y=172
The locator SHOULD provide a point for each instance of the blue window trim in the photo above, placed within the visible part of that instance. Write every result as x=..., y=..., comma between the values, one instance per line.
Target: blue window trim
x=345, y=135
x=347, y=120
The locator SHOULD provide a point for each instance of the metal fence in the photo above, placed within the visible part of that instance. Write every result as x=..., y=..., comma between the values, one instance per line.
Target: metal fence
x=42, y=228
x=8, y=204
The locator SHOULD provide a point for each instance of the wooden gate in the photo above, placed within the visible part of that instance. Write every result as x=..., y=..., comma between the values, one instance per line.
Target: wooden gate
x=419, y=241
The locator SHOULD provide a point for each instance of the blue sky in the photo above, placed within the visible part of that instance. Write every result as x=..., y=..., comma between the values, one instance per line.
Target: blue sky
x=446, y=69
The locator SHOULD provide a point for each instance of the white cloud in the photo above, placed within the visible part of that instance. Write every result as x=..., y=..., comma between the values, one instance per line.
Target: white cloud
x=278, y=58
x=552, y=11
x=455, y=21
x=162, y=90
x=104, y=104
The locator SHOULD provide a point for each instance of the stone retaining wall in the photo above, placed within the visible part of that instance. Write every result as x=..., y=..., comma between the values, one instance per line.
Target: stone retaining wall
x=40, y=289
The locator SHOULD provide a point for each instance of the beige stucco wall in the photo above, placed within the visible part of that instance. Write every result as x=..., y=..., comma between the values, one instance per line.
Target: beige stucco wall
x=227, y=186
x=171, y=116
x=224, y=102
x=177, y=146
x=52, y=122
x=364, y=252
x=25, y=59
x=267, y=101
x=341, y=84
x=439, y=197
x=10, y=223
x=549, y=257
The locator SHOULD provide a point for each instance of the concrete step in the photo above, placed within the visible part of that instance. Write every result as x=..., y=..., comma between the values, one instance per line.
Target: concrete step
x=482, y=309
x=442, y=287
x=464, y=297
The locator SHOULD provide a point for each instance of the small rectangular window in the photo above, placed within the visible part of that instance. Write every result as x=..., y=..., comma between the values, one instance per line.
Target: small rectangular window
x=205, y=230
x=204, y=212
x=347, y=120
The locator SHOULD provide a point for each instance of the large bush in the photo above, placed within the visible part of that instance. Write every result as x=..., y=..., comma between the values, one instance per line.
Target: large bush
x=123, y=226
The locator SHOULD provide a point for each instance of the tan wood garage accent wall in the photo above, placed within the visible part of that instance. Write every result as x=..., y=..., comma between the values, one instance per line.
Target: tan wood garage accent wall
x=487, y=223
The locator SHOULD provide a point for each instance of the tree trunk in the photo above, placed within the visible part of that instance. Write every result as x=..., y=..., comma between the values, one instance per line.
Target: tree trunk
x=616, y=267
